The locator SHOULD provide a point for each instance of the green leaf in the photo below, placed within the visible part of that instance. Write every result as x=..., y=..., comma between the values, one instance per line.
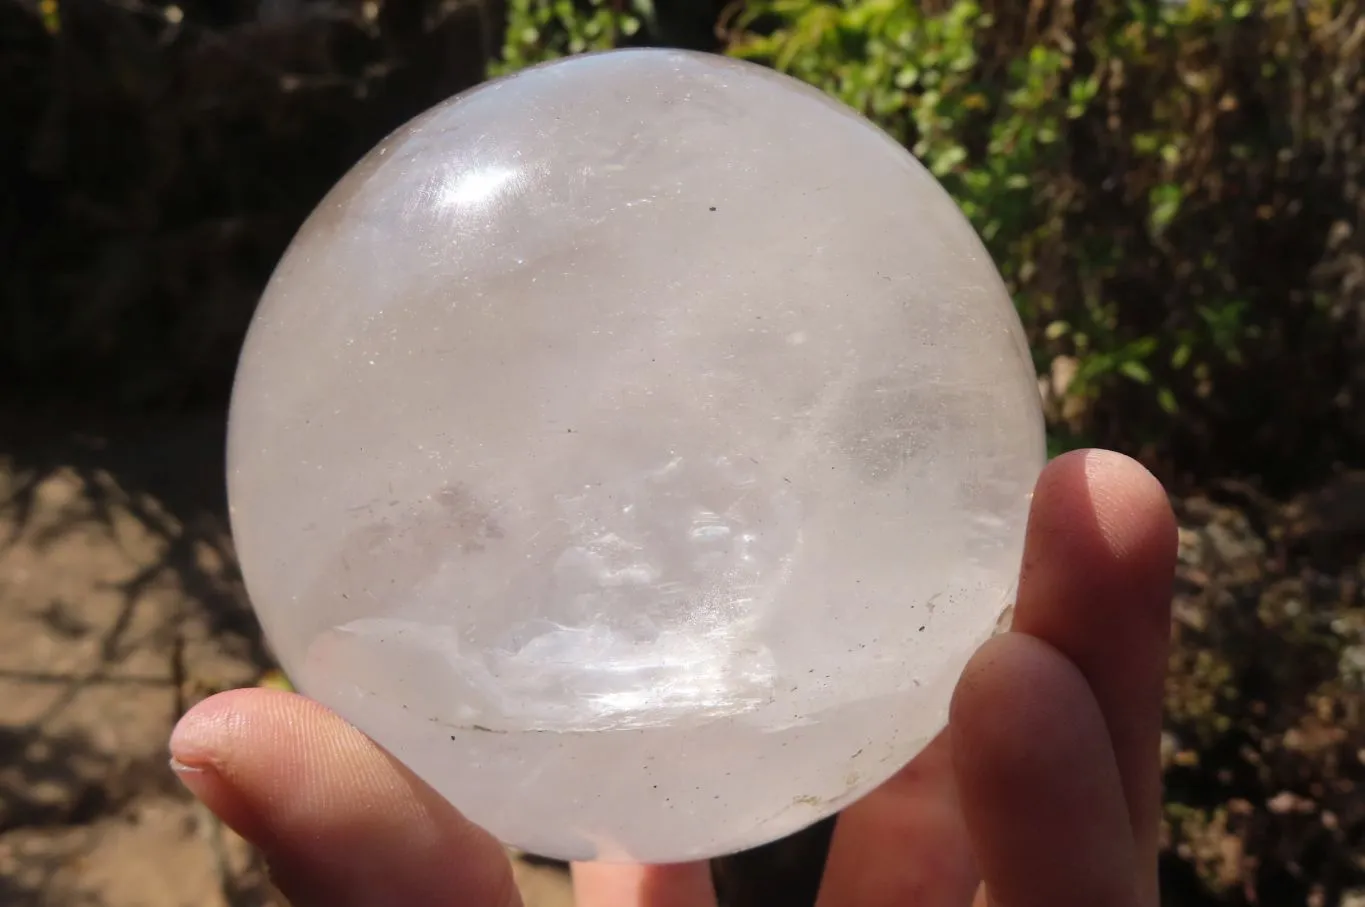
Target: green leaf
x=947, y=159
x=1165, y=201
x=1135, y=371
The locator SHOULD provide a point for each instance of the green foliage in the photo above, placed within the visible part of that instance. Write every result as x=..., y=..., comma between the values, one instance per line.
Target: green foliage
x=1156, y=181
x=542, y=30
x=1171, y=189
x=1107, y=161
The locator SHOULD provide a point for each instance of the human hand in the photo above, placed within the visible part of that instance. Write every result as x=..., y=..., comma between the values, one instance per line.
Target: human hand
x=1044, y=791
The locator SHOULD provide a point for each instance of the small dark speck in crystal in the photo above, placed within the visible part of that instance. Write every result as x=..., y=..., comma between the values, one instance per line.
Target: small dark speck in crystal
x=921, y=629
x=713, y=207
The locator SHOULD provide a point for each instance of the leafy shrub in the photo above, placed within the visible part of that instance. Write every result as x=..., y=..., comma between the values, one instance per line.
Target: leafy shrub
x=539, y=31
x=1172, y=191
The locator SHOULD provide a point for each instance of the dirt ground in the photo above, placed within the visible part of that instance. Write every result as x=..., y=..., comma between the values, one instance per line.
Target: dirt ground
x=119, y=607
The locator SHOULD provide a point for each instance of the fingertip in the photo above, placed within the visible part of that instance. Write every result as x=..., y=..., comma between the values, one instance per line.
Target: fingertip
x=205, y=749
x=1110, y=507
x=1037, y=779
x=1132, y=508
x=211, y=728
x=1016, y=695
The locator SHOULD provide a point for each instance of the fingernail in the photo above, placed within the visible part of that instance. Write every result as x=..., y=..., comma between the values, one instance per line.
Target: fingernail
x=184, y=768
x=191, y=742
x=203, y=732
x=197, y=778
x=196, y=742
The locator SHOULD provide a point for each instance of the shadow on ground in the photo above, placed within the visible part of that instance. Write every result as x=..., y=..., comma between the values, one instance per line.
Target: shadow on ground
x=122, y=606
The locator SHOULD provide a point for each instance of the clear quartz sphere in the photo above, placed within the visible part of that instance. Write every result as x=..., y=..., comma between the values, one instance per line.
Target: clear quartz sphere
x=637, y=447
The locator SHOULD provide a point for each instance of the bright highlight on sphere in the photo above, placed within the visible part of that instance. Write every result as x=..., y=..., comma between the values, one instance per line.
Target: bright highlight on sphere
x=637, y=447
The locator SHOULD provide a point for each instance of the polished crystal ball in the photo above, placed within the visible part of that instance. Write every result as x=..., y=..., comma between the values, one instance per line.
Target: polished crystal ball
x=637, y=447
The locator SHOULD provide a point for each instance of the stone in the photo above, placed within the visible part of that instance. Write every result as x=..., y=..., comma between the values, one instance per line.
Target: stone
x=637, y=447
